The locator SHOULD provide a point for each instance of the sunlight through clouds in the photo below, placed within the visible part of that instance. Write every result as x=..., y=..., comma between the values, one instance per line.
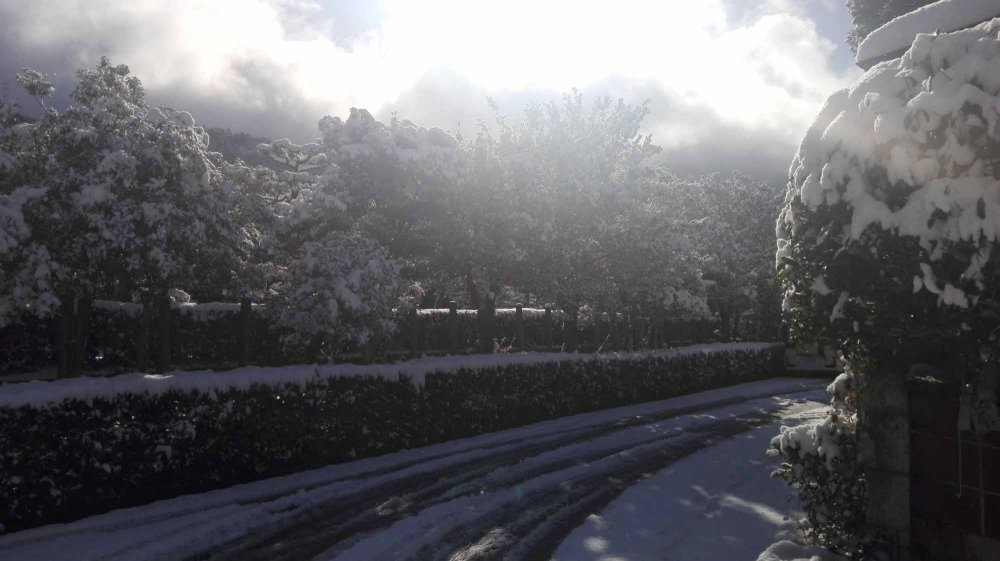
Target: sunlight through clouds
x=274, y=67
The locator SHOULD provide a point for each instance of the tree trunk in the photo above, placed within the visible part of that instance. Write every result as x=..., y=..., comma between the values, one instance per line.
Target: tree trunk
x=725, y=322
x=473, y=290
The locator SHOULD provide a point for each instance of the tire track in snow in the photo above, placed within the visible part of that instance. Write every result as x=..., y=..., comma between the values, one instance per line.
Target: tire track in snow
x=568, y=475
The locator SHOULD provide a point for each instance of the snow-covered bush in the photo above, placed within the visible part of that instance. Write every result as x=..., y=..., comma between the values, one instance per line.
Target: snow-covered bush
x=820, y=461
x=339, y=293
x=76, y=447
x=885, y=242
x=109, y=197
x=893, y=206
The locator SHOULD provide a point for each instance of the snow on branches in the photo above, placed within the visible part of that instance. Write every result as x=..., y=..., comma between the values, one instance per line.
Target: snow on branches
x=108, y=196
x=338, y=293
x=893, y=202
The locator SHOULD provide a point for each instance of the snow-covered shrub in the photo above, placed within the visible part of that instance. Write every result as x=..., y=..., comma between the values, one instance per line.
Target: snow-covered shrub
x=893, y=206
x=75, y=447
x=339, y=293
x=820, y=461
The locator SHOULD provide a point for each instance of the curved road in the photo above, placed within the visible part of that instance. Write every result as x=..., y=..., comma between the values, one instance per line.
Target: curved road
x=511, y=495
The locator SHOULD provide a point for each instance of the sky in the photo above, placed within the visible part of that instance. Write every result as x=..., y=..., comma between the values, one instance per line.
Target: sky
x=732, y=85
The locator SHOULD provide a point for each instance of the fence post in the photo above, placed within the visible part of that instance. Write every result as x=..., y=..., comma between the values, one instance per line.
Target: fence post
x=81, y=332
x=485, y=317
x=547, y=330
x=64, y=341
x=569, y=329
x=414, y=333
x=453, y=327
x=142, y=336
x=519, y=326
x=245, y=311
x=163, y=330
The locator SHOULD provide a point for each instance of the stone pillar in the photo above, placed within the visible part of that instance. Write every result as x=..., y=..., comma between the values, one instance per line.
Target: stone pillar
x=884, y=448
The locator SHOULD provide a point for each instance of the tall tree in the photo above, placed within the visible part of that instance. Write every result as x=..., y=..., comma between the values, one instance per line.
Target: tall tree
x=109, y=197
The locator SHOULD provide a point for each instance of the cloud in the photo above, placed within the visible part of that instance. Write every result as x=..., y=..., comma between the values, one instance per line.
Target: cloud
x=731, y=83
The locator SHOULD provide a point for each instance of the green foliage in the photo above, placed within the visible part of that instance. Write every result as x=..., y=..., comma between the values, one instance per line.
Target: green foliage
x=820, y=461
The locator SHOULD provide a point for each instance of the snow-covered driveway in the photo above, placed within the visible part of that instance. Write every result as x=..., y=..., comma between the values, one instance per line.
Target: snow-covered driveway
x=514, y=494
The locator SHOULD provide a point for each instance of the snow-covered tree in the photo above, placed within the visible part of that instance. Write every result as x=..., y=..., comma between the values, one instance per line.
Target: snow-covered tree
x=570, y=189
x=109, y=197
x=399, y=180
x=338, y=293
x=729, y=220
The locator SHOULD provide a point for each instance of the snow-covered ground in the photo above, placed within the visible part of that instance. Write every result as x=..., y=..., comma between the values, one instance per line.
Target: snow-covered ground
x=513, y=494
x=718, y=504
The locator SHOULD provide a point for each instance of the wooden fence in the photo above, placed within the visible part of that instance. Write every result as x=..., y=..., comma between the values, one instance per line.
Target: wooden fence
x=110, y=337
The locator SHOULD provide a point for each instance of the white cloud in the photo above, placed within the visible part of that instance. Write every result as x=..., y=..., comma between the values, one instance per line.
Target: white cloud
x=275, y=66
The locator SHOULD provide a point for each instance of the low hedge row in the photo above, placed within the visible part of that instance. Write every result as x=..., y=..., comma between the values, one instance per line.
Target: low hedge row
x=76, y=457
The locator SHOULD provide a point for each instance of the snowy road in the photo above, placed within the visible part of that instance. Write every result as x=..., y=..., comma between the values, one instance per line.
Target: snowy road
x=514, y=494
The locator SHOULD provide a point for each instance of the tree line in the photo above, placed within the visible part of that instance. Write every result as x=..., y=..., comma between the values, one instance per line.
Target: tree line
x=113, y=199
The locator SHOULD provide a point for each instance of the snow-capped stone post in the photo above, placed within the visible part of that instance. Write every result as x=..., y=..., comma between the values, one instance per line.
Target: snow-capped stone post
x=453, y=327
x=519, y=327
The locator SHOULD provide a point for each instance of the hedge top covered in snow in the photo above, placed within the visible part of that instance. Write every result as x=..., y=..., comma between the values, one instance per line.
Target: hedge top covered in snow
x=41, y=394
x=940, y=17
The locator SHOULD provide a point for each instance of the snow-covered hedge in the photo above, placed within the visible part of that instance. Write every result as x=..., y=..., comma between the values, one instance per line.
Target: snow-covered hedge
x=893, y=204
x=74, y=447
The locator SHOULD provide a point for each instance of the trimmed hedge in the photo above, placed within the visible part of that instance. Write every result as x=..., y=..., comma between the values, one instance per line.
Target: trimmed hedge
x=74, y=458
